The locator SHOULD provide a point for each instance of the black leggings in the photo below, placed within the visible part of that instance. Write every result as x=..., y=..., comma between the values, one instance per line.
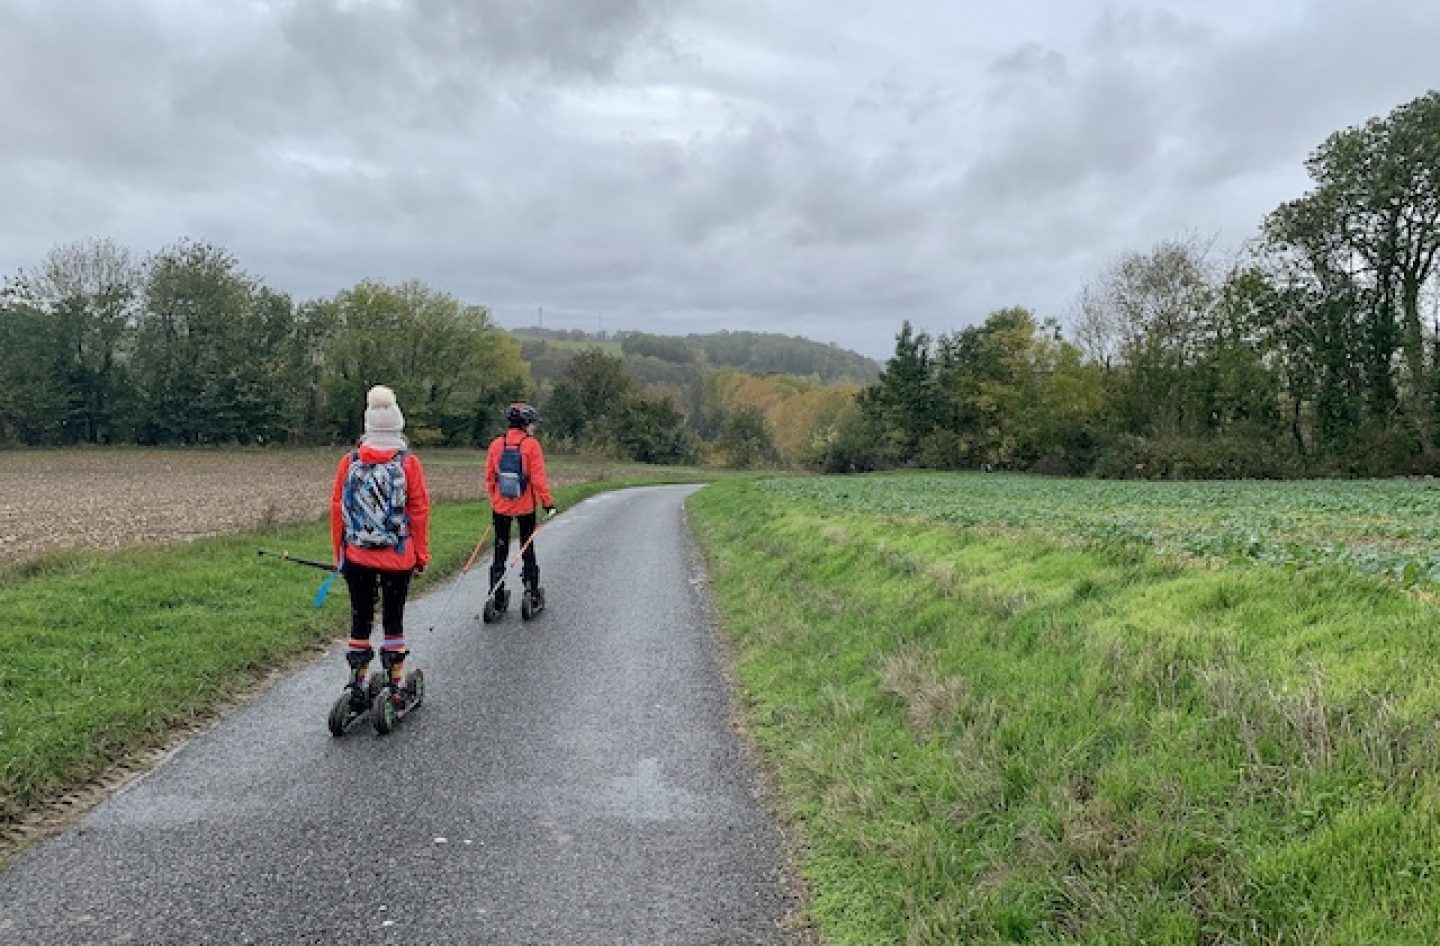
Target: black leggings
x=530, y=570
x=364, y=583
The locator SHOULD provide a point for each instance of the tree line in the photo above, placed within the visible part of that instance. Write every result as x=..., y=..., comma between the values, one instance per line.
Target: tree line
x=1313, y=353
x=186, y=348
x=760, y=353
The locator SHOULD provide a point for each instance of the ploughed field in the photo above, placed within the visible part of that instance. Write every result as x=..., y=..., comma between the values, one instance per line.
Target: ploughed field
x=109, y=498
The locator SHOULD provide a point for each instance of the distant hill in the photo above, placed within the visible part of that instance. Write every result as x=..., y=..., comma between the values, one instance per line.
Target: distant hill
x=758, y=353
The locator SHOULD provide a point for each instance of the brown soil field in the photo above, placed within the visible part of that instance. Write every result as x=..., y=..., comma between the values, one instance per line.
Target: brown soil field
x=109, y=498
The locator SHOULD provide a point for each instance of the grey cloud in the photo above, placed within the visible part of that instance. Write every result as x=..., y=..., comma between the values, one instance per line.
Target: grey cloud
x=1102, y=125
x=563, y=38
x=1123, y=30
x=1032, y=60
x=75, y=86
x=1274, y=97
x=737, y=166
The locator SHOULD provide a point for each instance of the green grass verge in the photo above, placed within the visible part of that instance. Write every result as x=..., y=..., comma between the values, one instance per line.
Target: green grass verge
x=103, y=654
x=989, y=736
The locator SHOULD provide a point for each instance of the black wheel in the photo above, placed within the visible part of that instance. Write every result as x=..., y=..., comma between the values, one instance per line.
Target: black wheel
x=375, y=684
x=489, y=615
x=340, y=715
x=383, y=713
x=415, y=683
x=527, y=606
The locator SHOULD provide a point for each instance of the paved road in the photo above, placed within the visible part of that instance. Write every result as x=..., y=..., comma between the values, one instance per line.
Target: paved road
x=573, y=780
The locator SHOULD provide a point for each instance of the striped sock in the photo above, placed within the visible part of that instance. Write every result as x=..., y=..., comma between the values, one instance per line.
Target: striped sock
x=396, y=646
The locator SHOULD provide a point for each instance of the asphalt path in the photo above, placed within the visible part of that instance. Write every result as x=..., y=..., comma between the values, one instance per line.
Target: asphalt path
x=571, y=780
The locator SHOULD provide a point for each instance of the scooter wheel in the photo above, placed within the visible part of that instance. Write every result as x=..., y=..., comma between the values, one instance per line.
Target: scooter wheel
x=415, y=683
x=527, y=606
x=340, y=715
x=489, y=615
x=383, y=714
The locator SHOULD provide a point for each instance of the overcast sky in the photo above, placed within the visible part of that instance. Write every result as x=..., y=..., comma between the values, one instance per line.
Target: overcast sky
x=825, y=169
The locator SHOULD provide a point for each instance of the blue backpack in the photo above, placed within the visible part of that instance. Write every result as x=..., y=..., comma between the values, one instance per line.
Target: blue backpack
x=512, y=479
x=372, y=503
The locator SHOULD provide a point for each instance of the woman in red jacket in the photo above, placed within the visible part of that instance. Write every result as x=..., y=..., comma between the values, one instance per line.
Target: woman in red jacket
x=380, y=534
x=515, y=481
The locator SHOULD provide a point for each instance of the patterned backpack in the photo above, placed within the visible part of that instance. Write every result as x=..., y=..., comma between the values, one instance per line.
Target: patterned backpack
x=373, y=503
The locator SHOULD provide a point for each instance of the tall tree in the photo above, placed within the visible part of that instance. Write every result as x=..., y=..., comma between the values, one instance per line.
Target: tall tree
x=1318, y=326
x=990, y=383
x=902, y=400
x=1239, y=393
x=587, y=403
x=1160, y=299
x=651, y=429
x=746, y=439
x=84, y=295
x=1413, y=169
x=34, y=400
x=215, y=349
x=1371, y=230
x=452, y=368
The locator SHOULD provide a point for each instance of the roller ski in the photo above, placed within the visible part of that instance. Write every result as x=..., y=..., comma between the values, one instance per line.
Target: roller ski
x=497, y=604
x=393, y=703
x=532, y=602
x=355, y=700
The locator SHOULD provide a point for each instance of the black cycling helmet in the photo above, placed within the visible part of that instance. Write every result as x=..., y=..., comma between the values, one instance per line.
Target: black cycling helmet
x=522, y=415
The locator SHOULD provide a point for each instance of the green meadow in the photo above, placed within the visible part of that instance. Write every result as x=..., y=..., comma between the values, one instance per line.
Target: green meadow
x=1009, y=709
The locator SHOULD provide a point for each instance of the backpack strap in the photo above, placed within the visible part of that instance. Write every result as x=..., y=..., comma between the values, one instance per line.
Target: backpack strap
x=390, y=502
x=529, y=480
x=346, y=495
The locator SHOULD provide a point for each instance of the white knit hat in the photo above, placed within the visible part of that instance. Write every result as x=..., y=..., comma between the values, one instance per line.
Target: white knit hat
x=383, y=420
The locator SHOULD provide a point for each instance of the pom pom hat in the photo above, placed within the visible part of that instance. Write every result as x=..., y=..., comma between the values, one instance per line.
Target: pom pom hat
x=384, y=424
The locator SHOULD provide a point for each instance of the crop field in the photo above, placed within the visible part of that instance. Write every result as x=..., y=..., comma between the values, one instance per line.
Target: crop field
x=998, y=716
x=1373, y=527
x=106, y=499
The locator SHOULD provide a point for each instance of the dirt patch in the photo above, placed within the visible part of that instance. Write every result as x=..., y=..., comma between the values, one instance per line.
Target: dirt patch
x=106, y=499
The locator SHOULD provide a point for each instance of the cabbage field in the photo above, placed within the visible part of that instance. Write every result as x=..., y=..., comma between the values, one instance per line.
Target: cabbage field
x=1377, y=527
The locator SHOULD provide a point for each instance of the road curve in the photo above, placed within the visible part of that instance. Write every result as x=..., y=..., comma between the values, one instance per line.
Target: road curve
x=572, y=780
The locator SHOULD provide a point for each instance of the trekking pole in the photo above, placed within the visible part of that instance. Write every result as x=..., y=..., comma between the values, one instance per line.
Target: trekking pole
x=478, y=545
x=287, y=557
x=324, y=589
x=463, y=570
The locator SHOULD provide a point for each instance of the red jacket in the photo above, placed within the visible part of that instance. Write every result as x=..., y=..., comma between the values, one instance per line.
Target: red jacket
x=417, y=507
x=533, y=459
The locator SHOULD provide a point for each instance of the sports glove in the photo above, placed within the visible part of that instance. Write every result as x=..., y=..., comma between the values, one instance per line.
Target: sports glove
x=549, y=512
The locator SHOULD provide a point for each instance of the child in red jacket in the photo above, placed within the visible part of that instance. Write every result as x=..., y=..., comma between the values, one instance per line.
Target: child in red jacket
x=515, y=482
x=380, y=533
